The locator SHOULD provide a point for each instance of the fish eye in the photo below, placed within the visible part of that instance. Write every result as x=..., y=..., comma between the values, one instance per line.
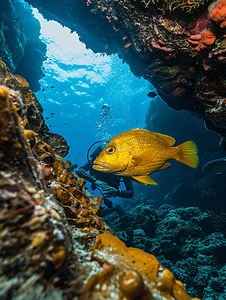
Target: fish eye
x=111, y=150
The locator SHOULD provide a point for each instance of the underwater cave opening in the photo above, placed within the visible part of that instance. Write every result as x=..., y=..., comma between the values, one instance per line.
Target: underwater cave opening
x=77, y=83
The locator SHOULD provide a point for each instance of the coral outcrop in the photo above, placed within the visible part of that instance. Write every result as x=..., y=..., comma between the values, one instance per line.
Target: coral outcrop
x=186, y=240
x=53, y=243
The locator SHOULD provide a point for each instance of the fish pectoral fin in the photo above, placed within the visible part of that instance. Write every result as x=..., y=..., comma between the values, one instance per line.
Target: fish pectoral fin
x=145, y=179
x=165, y=166
x=146, y=158
x=136, y=161
x=133, y=179
x=168, y=139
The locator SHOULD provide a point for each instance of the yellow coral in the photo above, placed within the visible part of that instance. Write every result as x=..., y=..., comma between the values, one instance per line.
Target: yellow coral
x=58, y=258
x=30, y=137
x=159, y=281
x=38, y=239
x=131, y=284
x=143, y=262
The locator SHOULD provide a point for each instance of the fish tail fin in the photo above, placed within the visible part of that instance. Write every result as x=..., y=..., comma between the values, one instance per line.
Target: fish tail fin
x=188, y=154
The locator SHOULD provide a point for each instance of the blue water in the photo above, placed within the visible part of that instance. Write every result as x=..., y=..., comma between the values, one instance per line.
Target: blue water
x=78, y=82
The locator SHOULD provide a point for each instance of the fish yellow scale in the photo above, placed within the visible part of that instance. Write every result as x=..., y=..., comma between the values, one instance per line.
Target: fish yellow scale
x=139, y=152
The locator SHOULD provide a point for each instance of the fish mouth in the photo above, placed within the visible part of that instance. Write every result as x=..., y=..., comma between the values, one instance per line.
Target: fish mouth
x=100, y=166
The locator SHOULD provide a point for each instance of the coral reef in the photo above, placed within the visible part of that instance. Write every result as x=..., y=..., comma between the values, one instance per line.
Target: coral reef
x=185, y=240
x=53, y=243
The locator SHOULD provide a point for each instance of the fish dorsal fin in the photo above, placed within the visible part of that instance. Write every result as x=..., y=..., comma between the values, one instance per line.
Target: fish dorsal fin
x=140, y=160
x=145, y=179
x=168, y=139
x=135, y=129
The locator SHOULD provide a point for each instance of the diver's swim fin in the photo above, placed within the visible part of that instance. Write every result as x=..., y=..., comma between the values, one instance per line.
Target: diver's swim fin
x=215, y=166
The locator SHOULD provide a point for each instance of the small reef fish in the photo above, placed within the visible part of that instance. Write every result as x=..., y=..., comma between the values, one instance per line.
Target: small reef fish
x=139, y=152
x=215, y=166
x=127, y=45
x=152, y=94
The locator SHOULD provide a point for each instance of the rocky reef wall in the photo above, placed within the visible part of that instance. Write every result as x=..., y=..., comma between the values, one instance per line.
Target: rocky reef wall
x=20, y=46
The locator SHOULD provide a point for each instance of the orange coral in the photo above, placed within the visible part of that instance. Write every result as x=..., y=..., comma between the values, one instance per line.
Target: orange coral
x=94, y=280
x=195, y=39
x=217, y=12
x=207, y=39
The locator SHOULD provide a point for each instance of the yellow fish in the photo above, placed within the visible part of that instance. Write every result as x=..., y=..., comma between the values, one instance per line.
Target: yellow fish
x=139, y=152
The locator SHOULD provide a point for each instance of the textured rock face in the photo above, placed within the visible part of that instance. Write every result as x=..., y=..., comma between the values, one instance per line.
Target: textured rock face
x=176, y=45
x=20, y=46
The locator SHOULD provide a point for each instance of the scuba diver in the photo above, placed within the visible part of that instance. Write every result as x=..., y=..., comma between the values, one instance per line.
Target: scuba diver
x=108, y=184
x=105, y=113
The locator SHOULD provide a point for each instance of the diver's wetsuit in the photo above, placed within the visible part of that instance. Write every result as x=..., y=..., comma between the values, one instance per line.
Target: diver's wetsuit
x=110, y=179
